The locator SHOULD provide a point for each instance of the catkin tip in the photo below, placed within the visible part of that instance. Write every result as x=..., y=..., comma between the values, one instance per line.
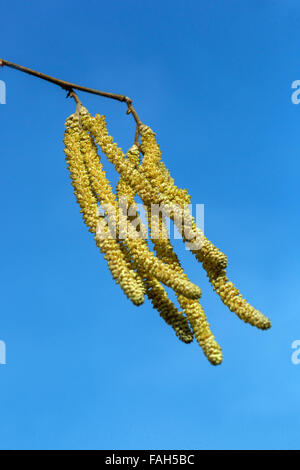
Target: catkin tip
x=266, y=325
x=138, y=300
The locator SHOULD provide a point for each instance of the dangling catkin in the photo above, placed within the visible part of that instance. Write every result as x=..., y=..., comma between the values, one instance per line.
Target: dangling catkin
x=154, y=169
x=212, y=258
x=120, y=269
x=178, y=199
x=136, y=246
x=152, y=182
x=148, y=192
x=191, y=308
x=232, y=298
x=154, y=289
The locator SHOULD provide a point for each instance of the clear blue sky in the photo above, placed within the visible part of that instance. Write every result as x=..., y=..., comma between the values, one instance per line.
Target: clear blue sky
x=86, y=369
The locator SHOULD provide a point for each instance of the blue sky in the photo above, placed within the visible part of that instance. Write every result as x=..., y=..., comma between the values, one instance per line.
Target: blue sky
x=86, y=369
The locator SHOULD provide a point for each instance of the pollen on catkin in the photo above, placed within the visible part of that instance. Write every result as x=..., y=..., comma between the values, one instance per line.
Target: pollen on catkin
x=120, y=269
x=232, y=298
x=154, y=289
x=137, y=269
x=155, y=170
x=192, y=308
x=203, y=248
x=178, y=199
x=214, y=261
x=136, y=245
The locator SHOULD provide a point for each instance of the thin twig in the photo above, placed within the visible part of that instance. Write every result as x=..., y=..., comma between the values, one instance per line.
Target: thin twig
x=73, y=95
x=72, y=86
x=136, y=136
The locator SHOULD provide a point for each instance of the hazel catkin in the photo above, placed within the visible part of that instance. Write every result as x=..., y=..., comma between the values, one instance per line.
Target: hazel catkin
x=154, y=289
x=120, y=269
x=136, y=246
x=212, y=259
x=123, y=242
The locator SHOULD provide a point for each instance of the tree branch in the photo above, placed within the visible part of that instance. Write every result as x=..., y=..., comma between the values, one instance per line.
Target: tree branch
x=69, y=87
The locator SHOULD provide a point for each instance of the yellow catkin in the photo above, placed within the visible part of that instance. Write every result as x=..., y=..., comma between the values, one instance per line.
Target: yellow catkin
x=232, y=298
x=136, y=246
x=167, y=310
x=154, y=289
x=154, y=169
x=213, y=259
x=191, y=308
x=120, y=269
x=159, y=177
x=148, y=193
x=228, y=293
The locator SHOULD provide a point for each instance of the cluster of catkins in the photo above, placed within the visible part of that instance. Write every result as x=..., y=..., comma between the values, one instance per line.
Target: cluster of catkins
x=139, y=271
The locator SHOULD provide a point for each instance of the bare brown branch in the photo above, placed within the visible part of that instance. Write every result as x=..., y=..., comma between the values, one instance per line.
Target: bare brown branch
x=69, y=87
